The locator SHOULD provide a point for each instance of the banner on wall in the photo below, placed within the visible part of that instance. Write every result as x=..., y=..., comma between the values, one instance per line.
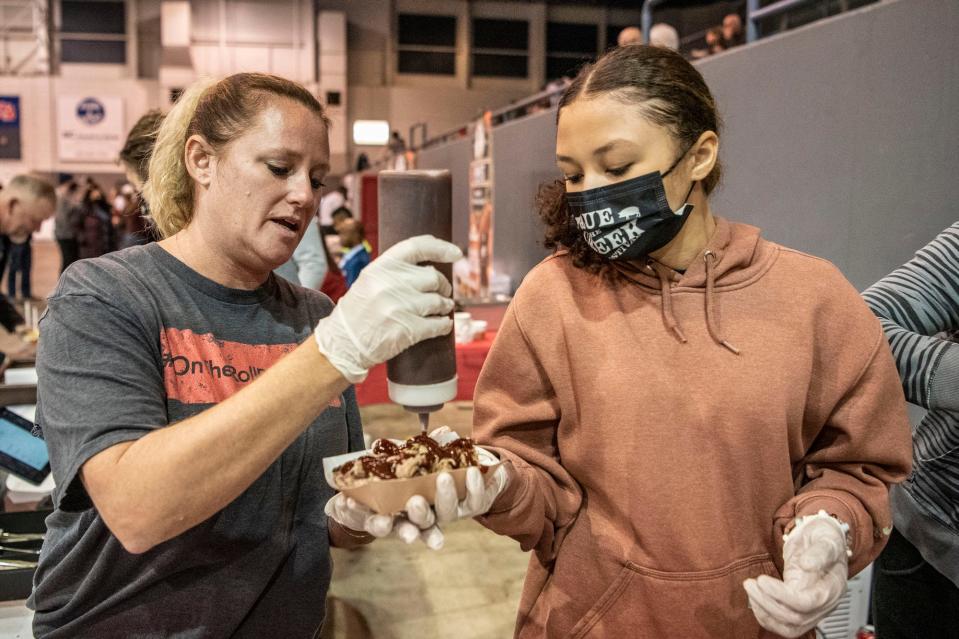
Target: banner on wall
x=9, y=127
x=89, y=129
x=479, y=254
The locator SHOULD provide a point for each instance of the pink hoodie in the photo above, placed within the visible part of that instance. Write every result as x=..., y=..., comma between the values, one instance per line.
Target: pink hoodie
x=653, y=469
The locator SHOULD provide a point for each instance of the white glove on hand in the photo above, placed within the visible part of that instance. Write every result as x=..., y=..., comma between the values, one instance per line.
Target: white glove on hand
x=419, y=520
x=814, y=578
x=392, y=305
x=479, y=495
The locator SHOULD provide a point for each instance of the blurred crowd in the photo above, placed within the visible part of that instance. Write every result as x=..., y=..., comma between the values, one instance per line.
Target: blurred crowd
x=718, y=38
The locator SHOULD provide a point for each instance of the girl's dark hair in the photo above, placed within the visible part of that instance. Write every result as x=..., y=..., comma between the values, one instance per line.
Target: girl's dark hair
x=668, y=91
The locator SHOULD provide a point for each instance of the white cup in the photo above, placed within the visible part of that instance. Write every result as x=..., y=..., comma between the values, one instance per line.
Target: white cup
x=461, y=327
x=477, y=329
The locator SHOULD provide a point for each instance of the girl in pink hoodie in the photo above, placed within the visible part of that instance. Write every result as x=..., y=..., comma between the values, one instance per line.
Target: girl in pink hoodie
x=673, y=395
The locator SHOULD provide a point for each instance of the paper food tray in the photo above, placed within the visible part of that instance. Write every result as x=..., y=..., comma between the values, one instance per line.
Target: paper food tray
x=390, y=496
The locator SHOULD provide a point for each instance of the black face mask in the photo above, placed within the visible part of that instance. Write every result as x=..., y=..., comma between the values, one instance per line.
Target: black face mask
x=631, y=219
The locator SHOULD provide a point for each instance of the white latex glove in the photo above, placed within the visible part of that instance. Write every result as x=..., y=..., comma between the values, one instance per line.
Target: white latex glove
x=417, y=523
x=479, y=494
x=814, y=578
x=419, y=520
x=392, y=305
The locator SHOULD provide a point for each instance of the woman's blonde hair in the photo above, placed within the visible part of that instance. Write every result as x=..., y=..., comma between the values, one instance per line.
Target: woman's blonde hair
x=218, y=111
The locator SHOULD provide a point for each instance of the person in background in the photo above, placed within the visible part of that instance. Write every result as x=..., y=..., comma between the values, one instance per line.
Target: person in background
x=732, y=31
x=4, y=248
x=330, y=202
x=714, y=44
x=65, y=223
x=13, y=347
x=629, y=35
x=308, y=265
x=664, y=35
x=96, y=231
x=698, y=427
x=334, y=283
x=19, y=267
x=714, y=41
x=134, y=228
x=362, y=163
x=340, y=216
x=356, y=256
x=916, y=578
x=397, y=145
x=21, y=263
x=119, y=198
x=397, y=152
x=24, y=204
x=188, y=395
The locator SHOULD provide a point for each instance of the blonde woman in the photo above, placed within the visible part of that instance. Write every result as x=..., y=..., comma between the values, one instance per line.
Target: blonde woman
x=187, y=395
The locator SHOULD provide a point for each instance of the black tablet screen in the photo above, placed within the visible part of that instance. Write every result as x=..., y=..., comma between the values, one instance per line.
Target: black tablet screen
x=19, y=444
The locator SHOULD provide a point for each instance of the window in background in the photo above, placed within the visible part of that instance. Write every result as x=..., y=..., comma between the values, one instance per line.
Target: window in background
x=93, y=31
x=427, y=44
x=568, y=46
x=500, y=48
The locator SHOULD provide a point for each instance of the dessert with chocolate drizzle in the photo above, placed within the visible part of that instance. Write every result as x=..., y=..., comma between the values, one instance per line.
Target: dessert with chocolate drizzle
x=420, y=455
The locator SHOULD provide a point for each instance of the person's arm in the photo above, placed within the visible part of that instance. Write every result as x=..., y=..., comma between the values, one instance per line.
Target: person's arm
x=856, y=440
x=516, y=414
x=915, y=303
x=151, y=483
x=156, y=487
x=310, y=258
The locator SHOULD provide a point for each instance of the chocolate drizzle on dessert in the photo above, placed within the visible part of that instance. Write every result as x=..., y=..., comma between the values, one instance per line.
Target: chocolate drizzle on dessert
x=420, y=455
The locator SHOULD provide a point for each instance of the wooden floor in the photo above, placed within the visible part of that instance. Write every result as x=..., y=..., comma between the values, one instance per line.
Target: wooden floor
x=388, y=590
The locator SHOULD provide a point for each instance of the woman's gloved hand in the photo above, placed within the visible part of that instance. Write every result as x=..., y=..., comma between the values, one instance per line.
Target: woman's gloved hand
x=392, y=305
x=814, y=578
x=419, y=520
x=416, y=522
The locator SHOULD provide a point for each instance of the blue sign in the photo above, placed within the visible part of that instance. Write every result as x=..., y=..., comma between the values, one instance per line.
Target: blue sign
x=9, y=127
x=90, y=111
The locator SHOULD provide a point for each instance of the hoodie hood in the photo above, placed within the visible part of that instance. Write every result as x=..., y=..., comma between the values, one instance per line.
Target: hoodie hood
x=735, y=256
x=741, y=256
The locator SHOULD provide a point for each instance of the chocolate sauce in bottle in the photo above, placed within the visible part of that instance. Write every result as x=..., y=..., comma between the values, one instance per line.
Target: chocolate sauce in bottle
x=423, y=377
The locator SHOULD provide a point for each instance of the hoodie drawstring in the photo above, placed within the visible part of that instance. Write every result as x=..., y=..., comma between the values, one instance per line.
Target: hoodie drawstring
x=669, y=319
x=712, y=322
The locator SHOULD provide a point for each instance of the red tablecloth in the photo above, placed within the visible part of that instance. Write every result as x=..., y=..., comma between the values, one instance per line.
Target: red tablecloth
x=469, y=362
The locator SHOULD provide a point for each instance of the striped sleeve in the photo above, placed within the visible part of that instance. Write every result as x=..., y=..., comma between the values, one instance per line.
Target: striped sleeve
x=918, y=306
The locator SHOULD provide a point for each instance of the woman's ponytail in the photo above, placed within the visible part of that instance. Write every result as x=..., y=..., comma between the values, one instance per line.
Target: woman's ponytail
x=169, y=189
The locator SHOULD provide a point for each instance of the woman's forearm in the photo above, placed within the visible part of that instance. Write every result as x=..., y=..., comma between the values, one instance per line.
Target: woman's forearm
x=161, y=485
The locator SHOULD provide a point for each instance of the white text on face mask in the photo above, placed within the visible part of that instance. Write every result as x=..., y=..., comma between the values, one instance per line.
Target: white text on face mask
x=593, y=219
x=606, y=217
x=614, y=241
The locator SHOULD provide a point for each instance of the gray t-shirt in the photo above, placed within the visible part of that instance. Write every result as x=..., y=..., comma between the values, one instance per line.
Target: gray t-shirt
x=134, y=341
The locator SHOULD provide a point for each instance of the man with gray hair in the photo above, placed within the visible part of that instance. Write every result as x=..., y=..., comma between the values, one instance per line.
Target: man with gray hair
x=25, y=202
